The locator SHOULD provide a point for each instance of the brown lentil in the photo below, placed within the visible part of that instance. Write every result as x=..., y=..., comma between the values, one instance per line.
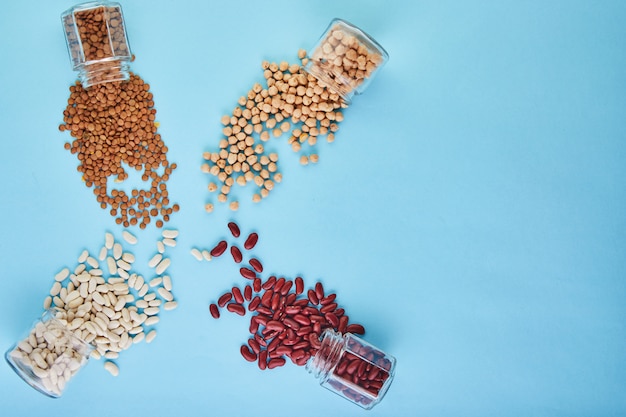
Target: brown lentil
x=114, y=124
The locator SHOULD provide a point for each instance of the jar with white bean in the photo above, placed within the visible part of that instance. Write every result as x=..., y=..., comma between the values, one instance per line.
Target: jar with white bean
x=346, y=59
x=50, y=355
x=352, y=368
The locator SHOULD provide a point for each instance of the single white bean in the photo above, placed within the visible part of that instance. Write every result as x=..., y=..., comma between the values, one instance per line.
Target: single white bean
x=129, y=237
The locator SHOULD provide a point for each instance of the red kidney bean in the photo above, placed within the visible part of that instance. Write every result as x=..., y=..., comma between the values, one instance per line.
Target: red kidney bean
x=339, y=312
x=219, y=249
x=263, y=360
x=302, y=344
x=247, y=273
x=304, y=331
x=328, y=299
x=269, y=283
x=276, y=362
x=215, y=312
x=319, y=290
x=256, y=285
x=224, y=299
x=236, y=308
x=237, y=295
x=283, y=350
x=247, y=292
x=301, y=303
x=302, y=319
x=254, y=303
x=254, y=345
x=275, y=301
x=254, y=326
x=256, y=264
x=373, y=373
x=263, y=310
x=247, y=354
x=343, y=323
x=291, y=323
x=251, y=241
x=332, y=319
x=291, y=309
x=313, y=298
x=328, y=308
x=299, y=285
x=286, y=287
x=273, y=344
x=355, y=328
x=314, y=339
x=234, y=229
x=278, y=285
x=236, y=253
x=275, y=325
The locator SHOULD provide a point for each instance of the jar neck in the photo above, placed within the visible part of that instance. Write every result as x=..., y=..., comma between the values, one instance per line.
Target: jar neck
x=332, y=346
x=104, y=71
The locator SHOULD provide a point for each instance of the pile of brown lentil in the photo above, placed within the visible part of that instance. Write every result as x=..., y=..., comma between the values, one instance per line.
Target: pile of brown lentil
x=114, y=124
x=292, y=101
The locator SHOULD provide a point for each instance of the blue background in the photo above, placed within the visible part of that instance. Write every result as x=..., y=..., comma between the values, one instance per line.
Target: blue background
x=471, y=212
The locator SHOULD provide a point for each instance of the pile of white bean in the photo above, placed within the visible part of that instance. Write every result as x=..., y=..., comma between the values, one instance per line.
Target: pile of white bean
x=110, y=309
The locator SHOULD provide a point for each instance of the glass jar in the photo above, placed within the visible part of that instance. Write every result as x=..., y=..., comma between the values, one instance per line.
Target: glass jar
x=97, y=42
x=345, y=59
x=50, y=355
x=352, y=368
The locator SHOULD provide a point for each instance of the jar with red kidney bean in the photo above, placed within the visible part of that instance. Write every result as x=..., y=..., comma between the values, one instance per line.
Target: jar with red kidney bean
x=352, y=368
x=346, y=59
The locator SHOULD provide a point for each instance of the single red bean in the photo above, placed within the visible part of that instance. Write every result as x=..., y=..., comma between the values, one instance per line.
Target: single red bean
x=219, y=249
x=254, y=303
x=328, y=299
x=263, y=360
x=260, y=340
x=273, y=344
x=304, y=331
x=247, y=354
x=303, y=360
x=299, y=285
x=283, y=350
x=224, y=299
x=339, y=312
x=373, y=373
x=254, y=326
x=275, y=325
x=236, y=253
x=251, y=241
x=291, y=323
x=302, y=319
x=343, y=323
x=332, y=319
x=355, y=328
x=362, y=367
x=215, y=312
x=257, y=265
x=314, y=339
x=319, y=290
x=328, y=308
x=276, y=362
x=353, y=366
x=286, y=287
x=247, y=273
x=234, y=229
x=256, y=285
x=247, y=292
x=237, y=295
x=317, y=328
x=278, y=285
x=316, y=318
x=275, y=301
x=269, y=283
x=297, y=353
x=302, y=344
x=291, y=309
x=340, y=369
x=263, y=310
x=266, y=298
x=261, y=319
x=313, y=298
x=236, y=308
x=254, y=345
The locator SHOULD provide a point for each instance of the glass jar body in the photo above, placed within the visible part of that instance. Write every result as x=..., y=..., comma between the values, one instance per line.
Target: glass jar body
x=50, y=355
x=346, y=59
x=97, y=43
x=352, y=368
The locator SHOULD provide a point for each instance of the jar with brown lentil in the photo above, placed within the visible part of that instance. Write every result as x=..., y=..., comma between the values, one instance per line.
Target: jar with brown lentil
x=346, y=59
x=97, y=42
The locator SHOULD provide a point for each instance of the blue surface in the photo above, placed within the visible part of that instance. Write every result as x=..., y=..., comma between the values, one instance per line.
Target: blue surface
x=471, y=213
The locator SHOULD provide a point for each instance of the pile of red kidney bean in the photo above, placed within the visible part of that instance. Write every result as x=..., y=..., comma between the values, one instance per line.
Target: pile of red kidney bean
x=286, y=321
